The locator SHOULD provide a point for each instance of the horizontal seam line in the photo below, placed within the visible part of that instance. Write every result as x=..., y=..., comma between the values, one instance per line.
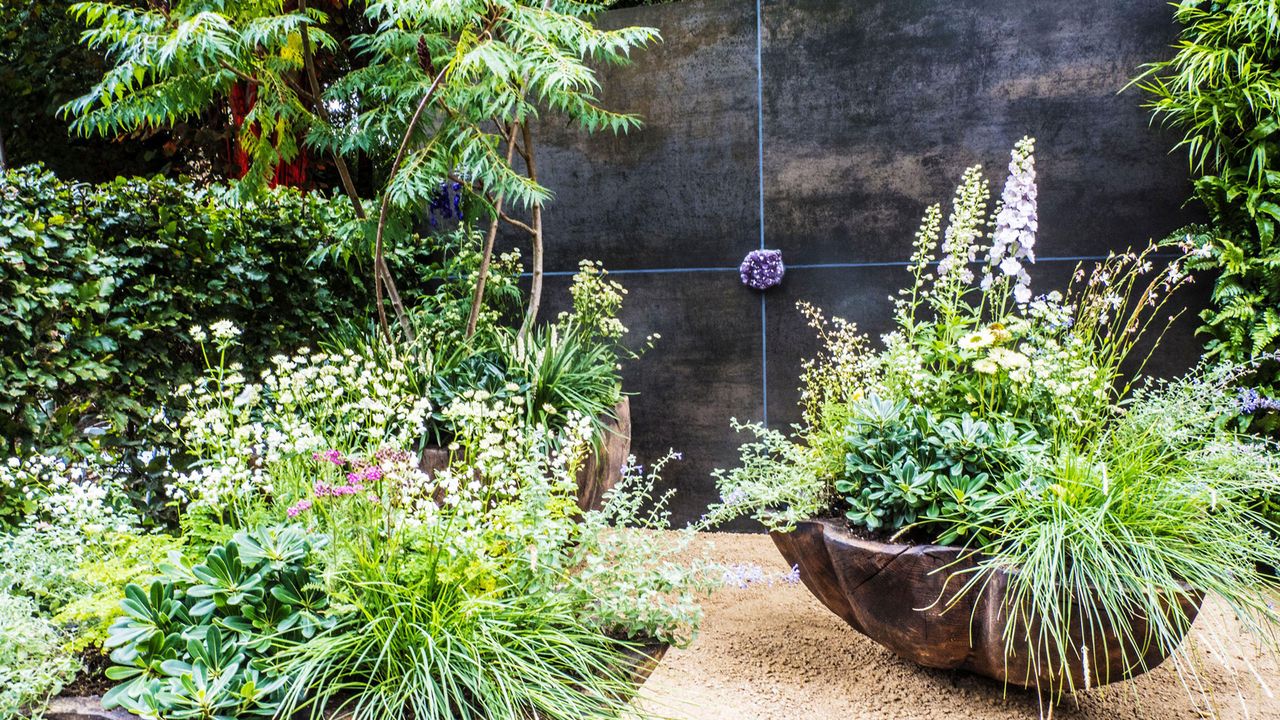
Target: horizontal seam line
x=815, y=266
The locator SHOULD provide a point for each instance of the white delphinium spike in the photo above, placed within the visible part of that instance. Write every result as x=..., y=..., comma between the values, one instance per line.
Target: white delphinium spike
x=1014, y=238
x=964, y=229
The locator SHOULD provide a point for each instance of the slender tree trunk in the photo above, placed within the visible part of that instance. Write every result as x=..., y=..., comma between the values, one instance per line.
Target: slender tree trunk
x=381, y=273
x=385, y=206
x=486, y=257
x=4, y=158
x=535, y=288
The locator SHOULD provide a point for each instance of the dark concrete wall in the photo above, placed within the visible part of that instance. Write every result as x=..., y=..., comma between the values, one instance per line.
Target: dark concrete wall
x=871, y=111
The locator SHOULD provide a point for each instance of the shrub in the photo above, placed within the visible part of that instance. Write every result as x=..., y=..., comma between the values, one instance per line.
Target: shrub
x=906, y=466
x=98, y=285
x=1221, y=90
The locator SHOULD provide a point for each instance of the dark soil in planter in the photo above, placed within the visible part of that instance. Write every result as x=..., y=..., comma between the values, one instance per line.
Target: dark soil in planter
x=904, y=598
x=92, y=679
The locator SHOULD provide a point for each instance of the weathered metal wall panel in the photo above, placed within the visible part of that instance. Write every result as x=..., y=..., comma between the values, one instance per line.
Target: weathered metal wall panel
x=871, y=111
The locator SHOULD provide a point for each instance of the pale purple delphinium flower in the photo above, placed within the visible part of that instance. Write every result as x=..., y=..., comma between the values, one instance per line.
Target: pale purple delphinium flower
x=762, y=269
x=1013, y=241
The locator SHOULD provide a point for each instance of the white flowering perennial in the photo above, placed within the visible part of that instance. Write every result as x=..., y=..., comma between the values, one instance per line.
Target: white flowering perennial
x=1014, y=238
x=53, y=491
x=304, y=403
x=960, y=243
x=596, y=301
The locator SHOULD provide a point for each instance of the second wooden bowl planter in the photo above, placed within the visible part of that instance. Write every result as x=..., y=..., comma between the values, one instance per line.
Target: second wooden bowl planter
x=641, y=661
x=600, y=471
x=903, y=597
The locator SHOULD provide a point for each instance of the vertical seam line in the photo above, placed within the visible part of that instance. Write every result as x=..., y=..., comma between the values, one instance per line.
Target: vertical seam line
x=764, y=325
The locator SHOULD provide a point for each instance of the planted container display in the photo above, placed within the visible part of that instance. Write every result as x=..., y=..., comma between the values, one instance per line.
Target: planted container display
x=999, y=488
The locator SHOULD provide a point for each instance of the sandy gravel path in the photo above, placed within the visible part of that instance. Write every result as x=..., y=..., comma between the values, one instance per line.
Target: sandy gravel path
x=775, y=653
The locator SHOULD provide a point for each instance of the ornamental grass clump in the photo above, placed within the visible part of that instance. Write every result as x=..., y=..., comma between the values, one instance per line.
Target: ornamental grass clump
x=1021, y=428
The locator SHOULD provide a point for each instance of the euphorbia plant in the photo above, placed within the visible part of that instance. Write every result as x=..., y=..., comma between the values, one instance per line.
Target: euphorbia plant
x=435, y=92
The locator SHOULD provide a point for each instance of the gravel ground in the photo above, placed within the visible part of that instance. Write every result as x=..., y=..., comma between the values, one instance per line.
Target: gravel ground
x=775, y=653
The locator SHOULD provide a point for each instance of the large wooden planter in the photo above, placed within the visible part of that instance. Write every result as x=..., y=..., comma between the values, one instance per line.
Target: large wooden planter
x=640, y=662
x=904, y=598
x=600, y=471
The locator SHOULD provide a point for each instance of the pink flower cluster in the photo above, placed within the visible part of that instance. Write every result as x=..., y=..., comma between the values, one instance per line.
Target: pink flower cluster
x=371, y=472
x=298, y=508
x=330, y=456
x=323, y=489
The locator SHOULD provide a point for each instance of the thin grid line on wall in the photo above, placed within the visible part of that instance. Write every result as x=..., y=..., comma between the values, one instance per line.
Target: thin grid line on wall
x=814, y=266
x=764, y=301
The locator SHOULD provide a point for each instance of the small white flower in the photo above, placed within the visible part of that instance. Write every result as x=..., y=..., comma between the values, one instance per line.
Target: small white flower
x=977, y=339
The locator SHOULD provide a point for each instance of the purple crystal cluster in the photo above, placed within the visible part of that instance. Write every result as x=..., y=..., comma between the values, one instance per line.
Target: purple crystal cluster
x=762, y=269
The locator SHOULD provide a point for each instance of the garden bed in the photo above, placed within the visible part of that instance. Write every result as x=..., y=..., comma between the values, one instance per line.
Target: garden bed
x=769, y=653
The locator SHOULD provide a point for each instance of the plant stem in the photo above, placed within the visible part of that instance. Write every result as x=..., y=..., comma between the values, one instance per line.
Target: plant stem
x=385, y=207
x=381, y=273
x=487, y=256
x=535, y=290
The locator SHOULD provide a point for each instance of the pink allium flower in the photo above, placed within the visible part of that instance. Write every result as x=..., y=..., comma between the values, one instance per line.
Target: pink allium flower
x=298, y=508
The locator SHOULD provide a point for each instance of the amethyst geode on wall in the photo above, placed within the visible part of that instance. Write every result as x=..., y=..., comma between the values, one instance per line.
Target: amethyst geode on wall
x=762, y=269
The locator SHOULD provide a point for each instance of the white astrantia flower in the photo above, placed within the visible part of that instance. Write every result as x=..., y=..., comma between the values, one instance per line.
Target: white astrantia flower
x=224, y=330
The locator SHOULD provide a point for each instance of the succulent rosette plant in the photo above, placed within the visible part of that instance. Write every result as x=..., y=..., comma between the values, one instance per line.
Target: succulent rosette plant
x=1086, y=509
